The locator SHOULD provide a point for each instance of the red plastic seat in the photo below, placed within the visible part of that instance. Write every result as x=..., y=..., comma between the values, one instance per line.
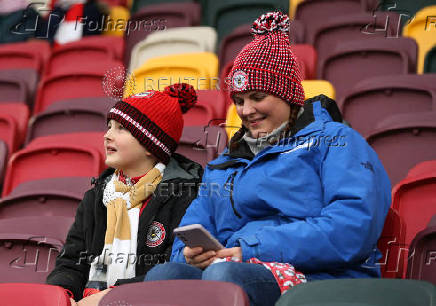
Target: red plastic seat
x=22, y=294
x=392, y=246
x=421, y=264
x=71, y=116
x=114, y=43
x=81, y=58
x=64, y=155
x=159, y=17
x=58, y=196
x=68, y=86
x=373, y=99
x=20, y=113
x=404, y=140
x=177, y=292
x=3, y=160
x=353, y=61
x=415, y=199
x=29, y=246
x=39, y=50
x=202, y=143
x=9, y=132
x=20, y=59
x=28, y=76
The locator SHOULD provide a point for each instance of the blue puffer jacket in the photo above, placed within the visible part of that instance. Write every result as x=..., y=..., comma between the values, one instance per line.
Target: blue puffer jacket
x=317, y=200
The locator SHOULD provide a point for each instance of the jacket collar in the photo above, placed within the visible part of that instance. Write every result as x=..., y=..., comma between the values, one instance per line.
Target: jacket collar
x=316, y=112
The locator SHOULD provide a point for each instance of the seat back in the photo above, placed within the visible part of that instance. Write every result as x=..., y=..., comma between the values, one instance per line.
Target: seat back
x=29, y=246
x=45, y=197
x=22, y=294
x=354, y=61
x=173, y=41
x=68, y=86
x=392, y=246
x=373, y=99
x=65, y=155
x=421, y=29
x=158, y=17
x=198, y=69
x=13, y=90
x=403, y=140
x=71, y=116
x=360, y=292
x=202, y=143
x=177, y=292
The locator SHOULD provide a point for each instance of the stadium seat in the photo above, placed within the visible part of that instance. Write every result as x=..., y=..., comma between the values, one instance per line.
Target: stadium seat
x=415, y=199
x=422, y=28
x=58, y=196
x=373, y=99
x=311, y=12
x=403, y=140
x=177, y=292
x=20, y=113
x=78, y=58
x=29, y=76
x=114, y=43
x=312, y=88
x=67, y=86
x=422, y=168
x=173, y=41
x=430, y=61
x=202, y=143
x=40, y=49
x=198, y=69
x=65, y=155
x=215, y=100
x=226, y=15
x=20, y=59
x=112, y=26
x=307, y=56
x=23, y=294
x=353, y=61
x=158, y=17
x=324, y=34
x=13, y=90
x=422, y=256
x=29, y=246
x=361, y=292
x=71, y=116
x=392, y=246
x=293, y=7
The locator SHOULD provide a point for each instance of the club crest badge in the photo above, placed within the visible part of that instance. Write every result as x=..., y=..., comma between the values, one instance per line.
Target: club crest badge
x=146, y=94
x=155, y=235
x=240, y=80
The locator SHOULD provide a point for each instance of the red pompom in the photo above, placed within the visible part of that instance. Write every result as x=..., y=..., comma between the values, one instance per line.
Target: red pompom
x=270, y=22
x=185, y=93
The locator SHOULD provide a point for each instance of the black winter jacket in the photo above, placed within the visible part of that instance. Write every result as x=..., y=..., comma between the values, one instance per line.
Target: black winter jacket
x=85, y=239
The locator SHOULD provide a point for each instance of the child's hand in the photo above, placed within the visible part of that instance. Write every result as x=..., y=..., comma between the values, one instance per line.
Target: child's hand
x=197, y=258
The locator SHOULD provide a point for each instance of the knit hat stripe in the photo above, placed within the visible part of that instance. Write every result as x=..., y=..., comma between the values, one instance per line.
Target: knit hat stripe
x=142, y=129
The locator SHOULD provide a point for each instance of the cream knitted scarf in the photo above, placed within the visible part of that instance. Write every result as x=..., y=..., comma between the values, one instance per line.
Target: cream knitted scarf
x=123, y=203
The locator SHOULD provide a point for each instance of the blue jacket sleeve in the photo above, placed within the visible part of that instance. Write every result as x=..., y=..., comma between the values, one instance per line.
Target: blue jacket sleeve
x=356, y=194
x=199, y=212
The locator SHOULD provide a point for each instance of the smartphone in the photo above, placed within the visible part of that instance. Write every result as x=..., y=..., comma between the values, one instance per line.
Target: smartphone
x=195, y=235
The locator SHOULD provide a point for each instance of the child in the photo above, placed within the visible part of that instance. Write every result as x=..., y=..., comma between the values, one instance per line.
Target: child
x=123, y=226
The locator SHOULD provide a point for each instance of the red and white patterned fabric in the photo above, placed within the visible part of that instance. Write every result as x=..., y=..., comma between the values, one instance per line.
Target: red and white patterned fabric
x=69, y=29
x=284, y=273
x=267, y=63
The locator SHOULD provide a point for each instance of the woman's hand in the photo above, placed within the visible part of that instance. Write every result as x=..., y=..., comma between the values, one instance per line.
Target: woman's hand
x=94, y=299
x=230, y=252
x=195, y=257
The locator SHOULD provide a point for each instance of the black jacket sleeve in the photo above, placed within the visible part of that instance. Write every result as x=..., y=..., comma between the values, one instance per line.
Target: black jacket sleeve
x=72, y=264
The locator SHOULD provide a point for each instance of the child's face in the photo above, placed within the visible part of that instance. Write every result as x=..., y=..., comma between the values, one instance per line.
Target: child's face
x=123, y=151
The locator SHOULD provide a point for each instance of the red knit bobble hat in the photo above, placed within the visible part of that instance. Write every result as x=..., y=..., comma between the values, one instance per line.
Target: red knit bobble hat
x=267, y=63
x=155, y=118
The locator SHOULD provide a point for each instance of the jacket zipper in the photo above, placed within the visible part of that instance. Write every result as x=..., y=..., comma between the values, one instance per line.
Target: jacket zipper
x=232, y=180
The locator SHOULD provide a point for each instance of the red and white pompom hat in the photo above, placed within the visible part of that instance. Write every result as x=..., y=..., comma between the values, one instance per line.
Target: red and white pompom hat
x=155, y=118
x=267, y=63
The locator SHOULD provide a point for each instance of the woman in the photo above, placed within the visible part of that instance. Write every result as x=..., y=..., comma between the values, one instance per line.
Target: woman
x=123, y=226
x=301, y=196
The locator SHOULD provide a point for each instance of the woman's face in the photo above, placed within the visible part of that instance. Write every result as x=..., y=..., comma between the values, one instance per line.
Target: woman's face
x=261, y=113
